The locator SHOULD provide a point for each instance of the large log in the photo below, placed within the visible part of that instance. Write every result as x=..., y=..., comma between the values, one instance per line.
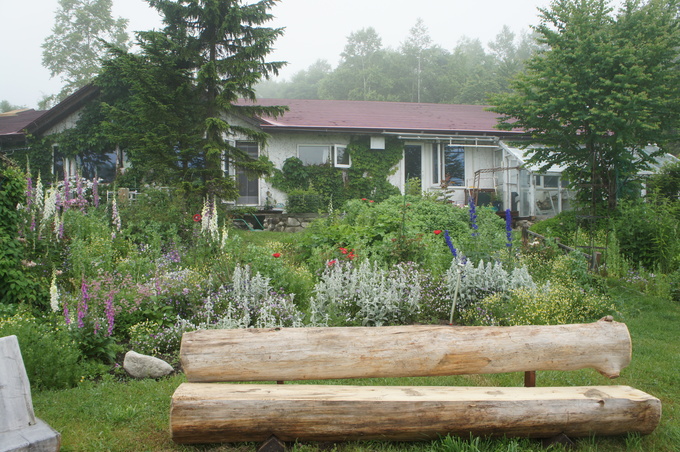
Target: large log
x=399, y=351
x=210, y=412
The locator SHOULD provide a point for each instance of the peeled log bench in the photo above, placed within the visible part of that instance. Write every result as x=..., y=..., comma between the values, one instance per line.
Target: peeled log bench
x=205, y=411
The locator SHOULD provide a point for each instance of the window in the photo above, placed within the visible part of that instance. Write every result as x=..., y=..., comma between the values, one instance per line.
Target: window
x=547, y=181
x=336, y=154
x=454, y=164
x=341, y=156
x=248, y=187
x=435, y=165
x=551, y=181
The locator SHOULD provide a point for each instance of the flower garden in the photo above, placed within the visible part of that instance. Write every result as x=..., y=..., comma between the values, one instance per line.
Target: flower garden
x=87, y=276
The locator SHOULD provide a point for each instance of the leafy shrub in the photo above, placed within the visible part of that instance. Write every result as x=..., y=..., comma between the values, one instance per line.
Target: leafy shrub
x=400, y=229
x=550, y=304
x=16, y=281
x=303, y=201
x=52, y=358
x=563, y=226
x=648, y=233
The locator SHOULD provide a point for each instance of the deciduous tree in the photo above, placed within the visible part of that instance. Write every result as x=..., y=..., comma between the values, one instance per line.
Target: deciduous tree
x=601, y=89
x=82, y=29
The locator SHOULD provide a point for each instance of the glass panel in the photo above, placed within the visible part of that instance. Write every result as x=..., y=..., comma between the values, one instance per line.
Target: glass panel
x=551, y=181
x=435, y=164
x=101, y=165
x=341, y=156
x=58, y=157
x=524, y=187
x=412, y=161
x=314, y=155
x=248, y=187
x=454, y=165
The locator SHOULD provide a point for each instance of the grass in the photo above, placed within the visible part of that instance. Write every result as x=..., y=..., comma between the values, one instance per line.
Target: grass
x=130, y=415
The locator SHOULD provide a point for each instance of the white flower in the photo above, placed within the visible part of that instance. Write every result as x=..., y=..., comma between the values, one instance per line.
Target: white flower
x=54, y=293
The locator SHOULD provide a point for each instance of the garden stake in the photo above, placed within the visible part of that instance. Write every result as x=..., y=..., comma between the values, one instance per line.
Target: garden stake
x=455, y=294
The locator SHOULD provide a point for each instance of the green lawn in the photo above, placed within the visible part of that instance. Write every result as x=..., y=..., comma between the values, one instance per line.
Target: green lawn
x=133, y=415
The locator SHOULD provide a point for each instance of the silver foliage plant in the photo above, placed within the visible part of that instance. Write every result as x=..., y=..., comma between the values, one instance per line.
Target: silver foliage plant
x=366, y=295
x=476, y=283
x=250, y=302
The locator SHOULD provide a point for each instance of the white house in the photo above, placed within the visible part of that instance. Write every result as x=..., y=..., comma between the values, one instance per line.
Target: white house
x=453, y=149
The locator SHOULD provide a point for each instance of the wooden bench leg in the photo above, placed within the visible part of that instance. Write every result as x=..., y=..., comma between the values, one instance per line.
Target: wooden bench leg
x=530, y=379
x=562, y=439
x=273, y=444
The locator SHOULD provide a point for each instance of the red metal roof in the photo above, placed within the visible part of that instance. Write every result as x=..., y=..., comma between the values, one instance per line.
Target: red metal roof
x=381, y=116
x=14, y=122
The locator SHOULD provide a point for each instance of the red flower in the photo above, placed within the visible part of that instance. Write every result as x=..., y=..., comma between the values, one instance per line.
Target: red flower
x=371, y=201
x=364, y=199
x=351, y=255
x=437, y=232
x=276, y=254
x=330, y=263
x=197, y=217
x=343, y=250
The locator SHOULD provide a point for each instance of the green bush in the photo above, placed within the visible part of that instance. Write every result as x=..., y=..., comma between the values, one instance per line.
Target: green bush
x=303, y=201
x=647, y=234
x=52, y=358
x=551, y=304
x=401, y=229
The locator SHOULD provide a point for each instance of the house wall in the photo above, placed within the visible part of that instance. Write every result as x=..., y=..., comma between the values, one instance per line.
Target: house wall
x=282, y=146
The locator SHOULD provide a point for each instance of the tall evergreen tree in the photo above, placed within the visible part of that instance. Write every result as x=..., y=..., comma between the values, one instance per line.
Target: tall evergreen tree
x=82, y=29
x=223, y=47
x=603, y=87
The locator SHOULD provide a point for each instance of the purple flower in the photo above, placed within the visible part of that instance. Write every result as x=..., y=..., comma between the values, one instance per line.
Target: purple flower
x=110, y=314
x=67, y=192
x=508, y=227
x=447, y=237
x=29, y=191
x=473, y=217
x=82, y=306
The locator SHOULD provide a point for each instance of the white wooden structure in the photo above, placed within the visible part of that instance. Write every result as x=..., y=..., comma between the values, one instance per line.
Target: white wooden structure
x=20, y=430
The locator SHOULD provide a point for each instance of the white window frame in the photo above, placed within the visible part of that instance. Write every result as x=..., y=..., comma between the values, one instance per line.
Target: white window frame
x=441, y=150
x=331, y=152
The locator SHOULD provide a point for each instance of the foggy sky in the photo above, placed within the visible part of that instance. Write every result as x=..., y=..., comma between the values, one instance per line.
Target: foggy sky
x=314, y=29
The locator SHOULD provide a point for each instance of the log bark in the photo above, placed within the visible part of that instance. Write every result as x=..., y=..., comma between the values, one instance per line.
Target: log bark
x=400, y=351
x=209, y=412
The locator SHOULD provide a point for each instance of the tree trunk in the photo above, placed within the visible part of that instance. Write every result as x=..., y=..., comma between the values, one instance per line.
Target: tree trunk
x=401, y=351
x=209, y=412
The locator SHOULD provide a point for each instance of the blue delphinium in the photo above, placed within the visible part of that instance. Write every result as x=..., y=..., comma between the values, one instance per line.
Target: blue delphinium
x=447, y=237
x=473, y=217
x=508, y=227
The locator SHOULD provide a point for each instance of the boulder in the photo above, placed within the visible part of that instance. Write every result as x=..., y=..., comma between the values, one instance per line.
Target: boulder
x=145, y=366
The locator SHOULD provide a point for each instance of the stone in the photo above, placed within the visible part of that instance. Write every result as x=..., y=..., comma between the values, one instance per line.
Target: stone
x=20, y=430
x=145, y=366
